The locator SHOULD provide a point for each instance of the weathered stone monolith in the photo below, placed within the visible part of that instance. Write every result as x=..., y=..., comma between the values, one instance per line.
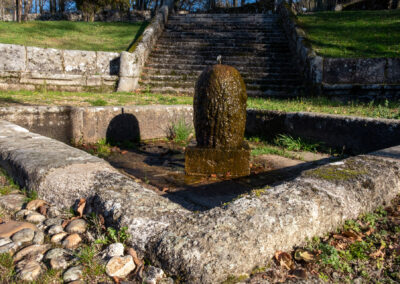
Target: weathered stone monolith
x=219, y=120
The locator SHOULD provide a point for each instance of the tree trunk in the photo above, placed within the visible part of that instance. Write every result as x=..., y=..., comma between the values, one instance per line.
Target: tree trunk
x=1, y=9
x=242, y=2
x=19, y=10
x=27, y=8
x=62, y=6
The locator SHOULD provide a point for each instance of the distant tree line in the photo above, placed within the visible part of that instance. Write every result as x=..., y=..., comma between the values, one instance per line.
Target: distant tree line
x=89, y=7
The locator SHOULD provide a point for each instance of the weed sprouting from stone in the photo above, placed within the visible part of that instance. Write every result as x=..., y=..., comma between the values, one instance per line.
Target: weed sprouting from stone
x=180, y=131
x=296, y=144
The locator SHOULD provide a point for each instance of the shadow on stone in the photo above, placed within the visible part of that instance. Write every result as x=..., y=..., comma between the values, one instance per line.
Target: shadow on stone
x=123, y=128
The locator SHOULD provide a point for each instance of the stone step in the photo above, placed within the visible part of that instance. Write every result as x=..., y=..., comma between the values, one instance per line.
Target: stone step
x=222, y=41
x=248, y=77
x=202, y=67
x=227, y=17
x=287, y=92
x=187, y=35
x=243, y=63
x=212, y=51
x=227, y=52
x=255, y=86
x=244, y=59
x=195, y=73
x=211, y=46
x=224, y=30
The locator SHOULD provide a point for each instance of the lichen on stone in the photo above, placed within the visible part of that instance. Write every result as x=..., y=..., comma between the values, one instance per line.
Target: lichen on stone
x=335, y=173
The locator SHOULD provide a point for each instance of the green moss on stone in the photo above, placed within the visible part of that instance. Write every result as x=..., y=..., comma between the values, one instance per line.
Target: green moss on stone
x=333, y=173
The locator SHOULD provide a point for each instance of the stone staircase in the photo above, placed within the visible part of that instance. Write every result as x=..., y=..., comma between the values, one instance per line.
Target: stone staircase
x=255, y=44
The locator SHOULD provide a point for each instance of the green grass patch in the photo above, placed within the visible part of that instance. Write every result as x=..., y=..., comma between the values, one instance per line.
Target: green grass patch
x=13, y=98
x=377, y=109
x=296, y=144
x=97, y=36
x=354, y=34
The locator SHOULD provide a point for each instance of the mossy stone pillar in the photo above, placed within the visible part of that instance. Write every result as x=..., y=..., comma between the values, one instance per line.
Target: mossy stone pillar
x=219, y=119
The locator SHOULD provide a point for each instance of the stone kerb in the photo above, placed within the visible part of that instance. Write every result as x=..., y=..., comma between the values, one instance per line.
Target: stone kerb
x=339, y=75
x=29, y=67
x=132, y=63
x=209, y=246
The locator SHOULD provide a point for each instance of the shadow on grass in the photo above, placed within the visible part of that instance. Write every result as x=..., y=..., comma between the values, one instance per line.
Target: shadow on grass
x=10, y=100
x=138, y=35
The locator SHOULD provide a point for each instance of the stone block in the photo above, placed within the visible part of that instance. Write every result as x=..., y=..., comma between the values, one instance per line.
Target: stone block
x=80, y=62
x=208, y=161
x=339, y=70
x=44, y=59
x=128, y=64
x=12, y=57
x=393, y=71
x=370, y=71
x=107, y=63
x=354, y=71
x=94, y=80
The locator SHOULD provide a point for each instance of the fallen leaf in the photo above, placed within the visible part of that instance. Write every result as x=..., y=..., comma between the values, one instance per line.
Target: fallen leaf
x=213, y=175
x=377, y=254
x=298, y=273
x=81, y=206
x=43, y=210
x=339, y=245
x=66, y=222
x=124, y=152
x=35, y=204
x=1, y=221
x=116, y=279
x=165, y=189
x=370, y=231
x=284, y=259
x=301, y=254
x=102, y=221
x=136, y=260
x=353, y=236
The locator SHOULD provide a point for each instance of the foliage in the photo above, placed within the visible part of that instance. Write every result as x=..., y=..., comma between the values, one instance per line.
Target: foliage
x=114, y=236
x=180, y=131
x=98, y=102
x=30, y=195
x=296, y=144
x=98, y=36
x=354, y=34
x=91, y=7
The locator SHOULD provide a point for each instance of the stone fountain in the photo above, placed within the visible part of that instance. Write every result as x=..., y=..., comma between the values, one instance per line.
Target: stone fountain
x=219, y=120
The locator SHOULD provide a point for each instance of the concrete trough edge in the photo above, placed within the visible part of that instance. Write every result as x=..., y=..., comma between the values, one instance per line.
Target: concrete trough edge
x=204, y=247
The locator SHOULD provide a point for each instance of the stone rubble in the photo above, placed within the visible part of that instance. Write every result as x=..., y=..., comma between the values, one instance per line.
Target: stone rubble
x=119, y=266
x=33, y=253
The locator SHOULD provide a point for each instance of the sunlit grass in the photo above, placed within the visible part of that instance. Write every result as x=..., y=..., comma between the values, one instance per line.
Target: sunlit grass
x=97, y=36
x=378, y=109
x=354, y=34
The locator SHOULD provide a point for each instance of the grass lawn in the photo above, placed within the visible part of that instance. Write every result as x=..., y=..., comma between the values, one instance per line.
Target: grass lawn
x=95, y=36
x=354, y=34
x=383, y=109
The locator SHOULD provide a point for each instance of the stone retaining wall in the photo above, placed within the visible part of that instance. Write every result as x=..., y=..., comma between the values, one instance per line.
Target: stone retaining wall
x=54, y=69
x=369, y=77
x=132, y=63
x=90, y=124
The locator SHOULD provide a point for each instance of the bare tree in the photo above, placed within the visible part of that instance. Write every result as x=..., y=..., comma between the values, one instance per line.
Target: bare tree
x=18, y=5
